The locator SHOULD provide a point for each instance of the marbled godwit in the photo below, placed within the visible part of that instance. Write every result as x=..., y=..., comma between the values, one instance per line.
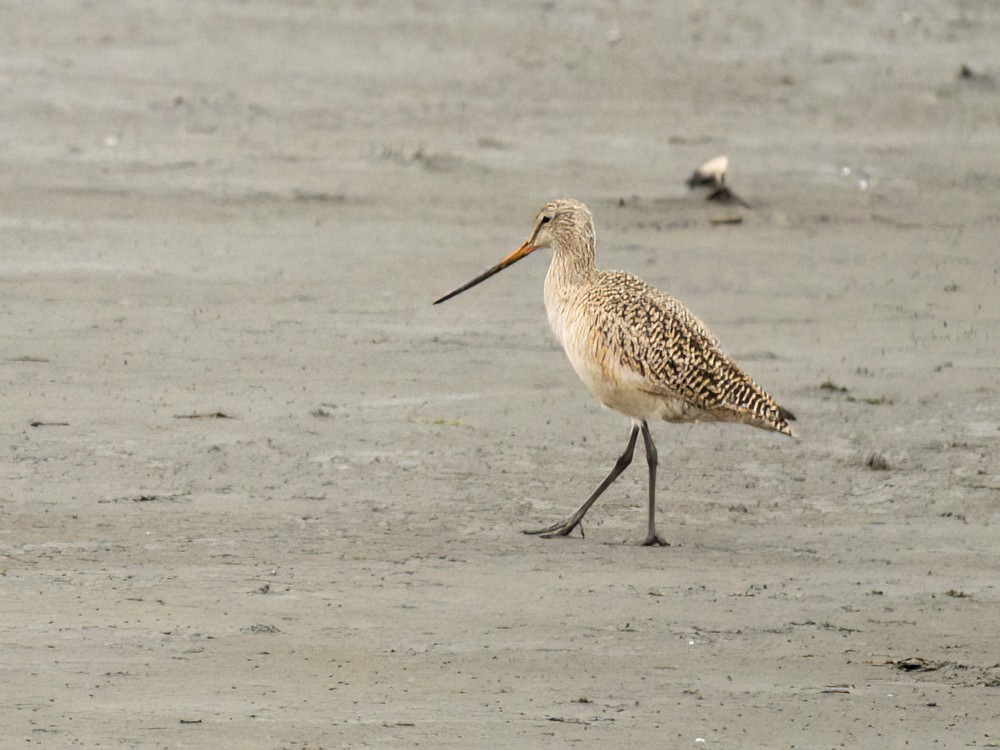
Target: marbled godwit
x=641, y=352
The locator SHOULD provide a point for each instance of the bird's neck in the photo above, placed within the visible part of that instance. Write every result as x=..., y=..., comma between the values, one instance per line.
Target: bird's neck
x=572, y=267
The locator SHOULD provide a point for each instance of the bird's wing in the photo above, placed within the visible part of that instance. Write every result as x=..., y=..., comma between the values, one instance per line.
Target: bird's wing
x=669, y=352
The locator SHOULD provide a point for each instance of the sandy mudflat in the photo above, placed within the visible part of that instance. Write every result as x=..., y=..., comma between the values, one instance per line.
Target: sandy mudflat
x=258, y=493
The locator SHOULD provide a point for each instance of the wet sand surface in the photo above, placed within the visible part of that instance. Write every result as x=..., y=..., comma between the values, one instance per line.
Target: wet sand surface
x=259, y=493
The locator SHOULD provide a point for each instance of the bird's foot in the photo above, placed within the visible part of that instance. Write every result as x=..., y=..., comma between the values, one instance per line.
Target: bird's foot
x=556, y=529
x=655, y=540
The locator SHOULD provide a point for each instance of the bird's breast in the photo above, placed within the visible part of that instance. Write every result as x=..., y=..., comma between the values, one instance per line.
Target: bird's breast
x=600, y=365
x=592, y=340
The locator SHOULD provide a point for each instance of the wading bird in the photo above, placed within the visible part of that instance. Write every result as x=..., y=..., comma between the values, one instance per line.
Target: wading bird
x=638, y=350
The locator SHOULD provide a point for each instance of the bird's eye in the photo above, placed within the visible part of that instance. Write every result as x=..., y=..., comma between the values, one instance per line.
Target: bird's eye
x=546, y=219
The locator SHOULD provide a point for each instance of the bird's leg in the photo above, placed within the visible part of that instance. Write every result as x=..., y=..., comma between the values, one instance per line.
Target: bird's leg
x=564, y=529
x=651, y=536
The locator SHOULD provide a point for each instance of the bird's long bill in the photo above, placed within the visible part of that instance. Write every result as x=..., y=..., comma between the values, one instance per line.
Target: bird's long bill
x=510, y=260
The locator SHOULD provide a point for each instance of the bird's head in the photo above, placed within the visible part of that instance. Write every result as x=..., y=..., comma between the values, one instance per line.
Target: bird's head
x=562, y=223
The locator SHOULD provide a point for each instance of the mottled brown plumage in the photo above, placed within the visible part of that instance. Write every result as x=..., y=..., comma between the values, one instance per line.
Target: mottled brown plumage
x=640, y=351
x=653, y=337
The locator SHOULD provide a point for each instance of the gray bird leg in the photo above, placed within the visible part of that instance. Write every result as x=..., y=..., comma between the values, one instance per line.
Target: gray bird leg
x=564, y=529
x=651, y=536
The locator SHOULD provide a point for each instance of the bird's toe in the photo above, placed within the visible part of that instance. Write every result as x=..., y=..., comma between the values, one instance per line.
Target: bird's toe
x=655, y=540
